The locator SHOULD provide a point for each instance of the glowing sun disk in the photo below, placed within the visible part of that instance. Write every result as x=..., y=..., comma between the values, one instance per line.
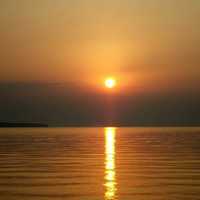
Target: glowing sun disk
x=110, y=83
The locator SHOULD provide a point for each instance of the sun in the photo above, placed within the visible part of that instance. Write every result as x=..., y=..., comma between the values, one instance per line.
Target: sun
x=110, y=83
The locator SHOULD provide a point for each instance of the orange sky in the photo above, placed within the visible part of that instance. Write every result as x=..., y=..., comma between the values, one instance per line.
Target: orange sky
x=144, y=44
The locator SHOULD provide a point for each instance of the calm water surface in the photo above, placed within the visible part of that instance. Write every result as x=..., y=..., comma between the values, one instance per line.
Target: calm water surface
x=100, y=164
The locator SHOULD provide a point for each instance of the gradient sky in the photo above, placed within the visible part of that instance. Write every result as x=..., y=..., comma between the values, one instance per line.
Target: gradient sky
x=147, y=45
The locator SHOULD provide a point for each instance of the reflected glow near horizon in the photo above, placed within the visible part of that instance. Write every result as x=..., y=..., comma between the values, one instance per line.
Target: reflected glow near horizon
x=110, y=173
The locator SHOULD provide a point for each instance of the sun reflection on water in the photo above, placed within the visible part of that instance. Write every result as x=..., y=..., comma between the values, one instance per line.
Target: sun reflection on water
x=110, y=174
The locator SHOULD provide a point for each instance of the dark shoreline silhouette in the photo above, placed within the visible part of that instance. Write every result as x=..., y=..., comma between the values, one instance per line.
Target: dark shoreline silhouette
x=97, y=124
x=10, y=124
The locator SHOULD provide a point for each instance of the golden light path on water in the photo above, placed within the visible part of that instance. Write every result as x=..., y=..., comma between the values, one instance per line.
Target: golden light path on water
x=110, y=173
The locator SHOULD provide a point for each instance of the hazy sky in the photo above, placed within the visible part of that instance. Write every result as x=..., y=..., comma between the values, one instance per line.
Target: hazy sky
x=140, y=41
x=54, y=56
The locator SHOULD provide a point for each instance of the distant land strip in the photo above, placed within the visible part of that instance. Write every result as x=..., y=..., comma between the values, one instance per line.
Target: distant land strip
x=96, y=124
x=10, y=124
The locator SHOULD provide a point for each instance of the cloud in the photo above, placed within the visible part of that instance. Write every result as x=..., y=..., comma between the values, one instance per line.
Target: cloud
x=57, y=104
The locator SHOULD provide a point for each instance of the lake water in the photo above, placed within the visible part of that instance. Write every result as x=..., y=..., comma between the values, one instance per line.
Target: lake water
x=100, y=164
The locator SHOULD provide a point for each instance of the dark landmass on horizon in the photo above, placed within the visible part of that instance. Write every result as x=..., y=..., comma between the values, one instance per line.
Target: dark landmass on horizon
x=10, y=124
x=98, y=124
